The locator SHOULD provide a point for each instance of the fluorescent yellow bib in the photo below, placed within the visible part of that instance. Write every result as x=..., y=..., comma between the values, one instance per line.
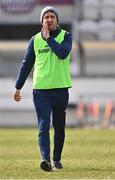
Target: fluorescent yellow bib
x=50, y=71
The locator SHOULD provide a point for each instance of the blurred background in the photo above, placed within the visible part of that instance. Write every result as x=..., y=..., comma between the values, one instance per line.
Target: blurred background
x=92, y=23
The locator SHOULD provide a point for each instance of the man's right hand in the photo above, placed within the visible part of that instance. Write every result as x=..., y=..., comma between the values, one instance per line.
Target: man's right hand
x=45, y=31
x=17, y=96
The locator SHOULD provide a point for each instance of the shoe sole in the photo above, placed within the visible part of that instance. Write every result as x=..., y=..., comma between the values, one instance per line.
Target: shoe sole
x=56, y=169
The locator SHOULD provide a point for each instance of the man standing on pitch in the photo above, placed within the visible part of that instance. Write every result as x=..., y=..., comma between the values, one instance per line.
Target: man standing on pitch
x=49, y=52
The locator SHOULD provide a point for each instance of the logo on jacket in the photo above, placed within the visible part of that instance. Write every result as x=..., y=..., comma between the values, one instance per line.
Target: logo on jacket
x=45, y=50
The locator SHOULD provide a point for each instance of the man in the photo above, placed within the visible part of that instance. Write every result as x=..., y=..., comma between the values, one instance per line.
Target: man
x=49, y=52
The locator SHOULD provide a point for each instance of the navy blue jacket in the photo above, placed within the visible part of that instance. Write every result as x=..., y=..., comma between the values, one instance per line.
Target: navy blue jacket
x=61, y=50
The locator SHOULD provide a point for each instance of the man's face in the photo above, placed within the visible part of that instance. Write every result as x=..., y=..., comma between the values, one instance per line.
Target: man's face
x=51, y=20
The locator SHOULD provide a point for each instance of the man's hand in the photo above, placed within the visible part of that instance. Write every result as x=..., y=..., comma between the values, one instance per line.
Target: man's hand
x=17, y=96
x=45, y=30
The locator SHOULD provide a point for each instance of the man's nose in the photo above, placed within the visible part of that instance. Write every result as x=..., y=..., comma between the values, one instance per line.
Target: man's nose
x=49, y=19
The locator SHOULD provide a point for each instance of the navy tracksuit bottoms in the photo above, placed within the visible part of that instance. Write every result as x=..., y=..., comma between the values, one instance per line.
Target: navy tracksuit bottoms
x=47, y=102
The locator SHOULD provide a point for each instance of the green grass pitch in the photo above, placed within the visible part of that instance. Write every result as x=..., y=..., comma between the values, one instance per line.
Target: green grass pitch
x=87, y=153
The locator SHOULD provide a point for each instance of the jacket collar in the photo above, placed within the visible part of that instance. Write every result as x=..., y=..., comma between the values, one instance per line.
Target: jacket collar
x=54, y=33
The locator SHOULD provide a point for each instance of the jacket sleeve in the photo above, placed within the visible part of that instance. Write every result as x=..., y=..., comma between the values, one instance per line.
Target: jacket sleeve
x=26, y=65
x=61, y=50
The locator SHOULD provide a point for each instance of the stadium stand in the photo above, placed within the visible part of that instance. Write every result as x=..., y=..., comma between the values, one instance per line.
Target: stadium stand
x=91, y=9
x=108, y=9
x=102, y=13
x=88, y=30
x=106, y=30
